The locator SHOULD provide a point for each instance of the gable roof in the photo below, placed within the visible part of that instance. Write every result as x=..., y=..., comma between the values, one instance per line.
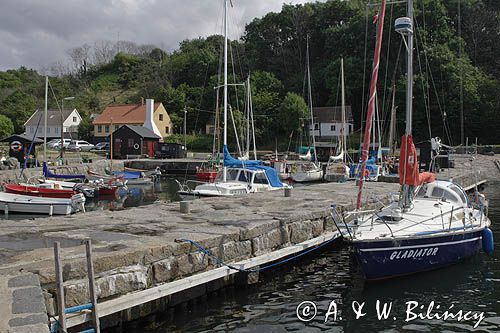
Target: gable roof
x=141, y=131
x=53, y=117
x=123, y=114
x=23, y=138
x=331, y=114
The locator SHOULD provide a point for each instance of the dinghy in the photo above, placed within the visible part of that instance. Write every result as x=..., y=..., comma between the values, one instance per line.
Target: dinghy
x=27, y=204
x=39, y=191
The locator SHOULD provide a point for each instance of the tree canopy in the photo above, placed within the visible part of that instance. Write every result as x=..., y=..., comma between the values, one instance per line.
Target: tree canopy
x=272, y=51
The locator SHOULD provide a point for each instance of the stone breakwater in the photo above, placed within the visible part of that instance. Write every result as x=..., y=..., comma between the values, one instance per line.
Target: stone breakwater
x=136, y=249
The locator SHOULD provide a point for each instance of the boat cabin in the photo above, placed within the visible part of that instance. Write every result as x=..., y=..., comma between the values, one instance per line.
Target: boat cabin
x=251, y=177
x=444, y=190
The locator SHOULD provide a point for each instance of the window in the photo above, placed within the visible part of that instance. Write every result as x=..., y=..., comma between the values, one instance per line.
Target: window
x=99, y=128
x=32, y=130
x=167, y=129
x=160, y=117
x=48, y=129
x=130, y=143
x=332, y=128
x=260, y=178
x=244, y=176
x=74, y=119
x=106, y=129
x=57, y=129
x=316, y=127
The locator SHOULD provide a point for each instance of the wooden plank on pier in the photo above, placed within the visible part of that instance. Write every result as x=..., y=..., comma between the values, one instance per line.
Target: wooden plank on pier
x=144, y=296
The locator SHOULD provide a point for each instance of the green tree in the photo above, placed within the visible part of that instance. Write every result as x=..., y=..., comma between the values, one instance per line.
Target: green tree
x=18, y=106
x=85, y=129
x=6, y=126
x=291, y=110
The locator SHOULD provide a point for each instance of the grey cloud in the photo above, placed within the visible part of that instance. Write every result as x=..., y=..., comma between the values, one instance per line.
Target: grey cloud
x=36, y=33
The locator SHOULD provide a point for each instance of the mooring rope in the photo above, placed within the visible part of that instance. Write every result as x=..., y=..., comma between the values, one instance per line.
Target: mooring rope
x=221, y=262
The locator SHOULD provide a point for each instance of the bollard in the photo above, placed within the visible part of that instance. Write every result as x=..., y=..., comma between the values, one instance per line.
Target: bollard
x=6, y=210
x=51, y=210
x=184, y=207
x=288, y=192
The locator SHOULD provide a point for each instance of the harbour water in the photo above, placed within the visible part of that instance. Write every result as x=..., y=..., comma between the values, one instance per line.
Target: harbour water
x=333, y=275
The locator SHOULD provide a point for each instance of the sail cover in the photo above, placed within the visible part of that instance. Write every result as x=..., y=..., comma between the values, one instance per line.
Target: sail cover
x=48, y=174
x=230, y=161
x=408, y=162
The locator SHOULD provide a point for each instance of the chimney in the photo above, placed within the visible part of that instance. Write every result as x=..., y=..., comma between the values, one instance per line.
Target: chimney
x=149, y=122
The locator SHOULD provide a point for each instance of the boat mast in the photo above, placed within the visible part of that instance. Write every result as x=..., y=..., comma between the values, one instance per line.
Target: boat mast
x=45, y=120
x=371, y=102
x=392, y=125
x=344, y=145
x=224, y=172
x=310, y=101
x=406, y=202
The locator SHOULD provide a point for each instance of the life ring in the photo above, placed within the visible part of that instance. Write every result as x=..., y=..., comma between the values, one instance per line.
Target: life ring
x=136, y=146
x=16, y=146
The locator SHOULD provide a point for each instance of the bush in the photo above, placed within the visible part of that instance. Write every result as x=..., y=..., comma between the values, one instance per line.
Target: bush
x=200, y=143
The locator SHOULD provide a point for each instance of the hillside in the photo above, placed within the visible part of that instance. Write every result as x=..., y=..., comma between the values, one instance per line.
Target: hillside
x=272, y=49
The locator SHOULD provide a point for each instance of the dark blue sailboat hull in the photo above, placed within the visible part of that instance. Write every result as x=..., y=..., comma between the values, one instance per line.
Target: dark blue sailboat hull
x=392, y=258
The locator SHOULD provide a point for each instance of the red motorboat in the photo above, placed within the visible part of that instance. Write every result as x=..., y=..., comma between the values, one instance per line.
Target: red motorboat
x=107, y=191
x=38, y=191
x=206, y=175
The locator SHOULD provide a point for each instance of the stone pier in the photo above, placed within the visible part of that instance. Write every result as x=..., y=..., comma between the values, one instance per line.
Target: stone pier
x=135, y=250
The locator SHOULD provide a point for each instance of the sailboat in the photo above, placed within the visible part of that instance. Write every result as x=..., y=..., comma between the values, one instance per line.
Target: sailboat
x=433, y=223
x=309, y=171
x=237, y=177
x=337, y=168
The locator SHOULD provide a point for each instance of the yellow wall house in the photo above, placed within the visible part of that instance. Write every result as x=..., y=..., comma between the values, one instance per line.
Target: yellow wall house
x=150, y=114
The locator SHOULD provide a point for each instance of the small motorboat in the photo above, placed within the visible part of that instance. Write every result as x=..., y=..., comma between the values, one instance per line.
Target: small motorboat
x=206, y=174
x=28, y=204
x=39, y=190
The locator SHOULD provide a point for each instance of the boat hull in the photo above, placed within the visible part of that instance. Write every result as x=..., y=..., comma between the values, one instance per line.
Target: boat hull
x=307, y=176
x=39, y=191
x=392, y=258
x=36, y=205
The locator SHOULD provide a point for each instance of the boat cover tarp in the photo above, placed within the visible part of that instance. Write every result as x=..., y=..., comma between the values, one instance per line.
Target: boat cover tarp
x=272, y=175
x=48, y=174
x=128, y=174
x=232, y=162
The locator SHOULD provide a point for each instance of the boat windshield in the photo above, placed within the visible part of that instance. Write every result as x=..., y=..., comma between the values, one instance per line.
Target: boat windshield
x=260, y=178
x=459, y=192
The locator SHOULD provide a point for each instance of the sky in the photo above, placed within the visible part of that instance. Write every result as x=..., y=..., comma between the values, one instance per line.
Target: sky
x=38, y=33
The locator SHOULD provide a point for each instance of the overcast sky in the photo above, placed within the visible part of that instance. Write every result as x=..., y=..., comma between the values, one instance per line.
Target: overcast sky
x=38, y=33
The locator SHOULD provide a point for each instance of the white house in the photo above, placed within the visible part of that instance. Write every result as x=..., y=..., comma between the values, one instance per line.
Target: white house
x=68, y=121
x=328, y=122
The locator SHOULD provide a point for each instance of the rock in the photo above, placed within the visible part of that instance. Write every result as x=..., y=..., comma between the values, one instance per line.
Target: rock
x=266, y=242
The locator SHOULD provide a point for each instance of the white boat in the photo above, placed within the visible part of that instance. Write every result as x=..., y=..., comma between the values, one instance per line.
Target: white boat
x=433, y=223
x=306, y=172
x=238, y=177
x=312, y=171
x=337, y=169
x=41, y=205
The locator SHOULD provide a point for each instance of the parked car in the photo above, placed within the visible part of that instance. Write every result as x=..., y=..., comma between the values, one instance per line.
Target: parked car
x=80, y=145
x=102, y=146
x=56, y=143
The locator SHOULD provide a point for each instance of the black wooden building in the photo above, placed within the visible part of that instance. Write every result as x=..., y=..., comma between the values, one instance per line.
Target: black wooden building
x=133, y=140
x=19, y=145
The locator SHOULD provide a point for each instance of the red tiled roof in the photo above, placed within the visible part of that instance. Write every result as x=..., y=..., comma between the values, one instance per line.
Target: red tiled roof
x=123, y=114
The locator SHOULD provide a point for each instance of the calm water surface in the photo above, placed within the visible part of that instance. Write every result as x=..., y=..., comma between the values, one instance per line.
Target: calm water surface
x=333, y=274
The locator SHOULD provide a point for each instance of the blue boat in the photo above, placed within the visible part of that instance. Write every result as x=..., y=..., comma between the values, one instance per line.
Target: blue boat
x=442, y=228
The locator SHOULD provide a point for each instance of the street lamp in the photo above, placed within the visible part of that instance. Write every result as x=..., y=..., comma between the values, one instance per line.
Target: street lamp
x=62, y=122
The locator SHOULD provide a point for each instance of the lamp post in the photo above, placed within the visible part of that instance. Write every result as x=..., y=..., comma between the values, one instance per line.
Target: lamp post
x=185, y=132
x=62, y=123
